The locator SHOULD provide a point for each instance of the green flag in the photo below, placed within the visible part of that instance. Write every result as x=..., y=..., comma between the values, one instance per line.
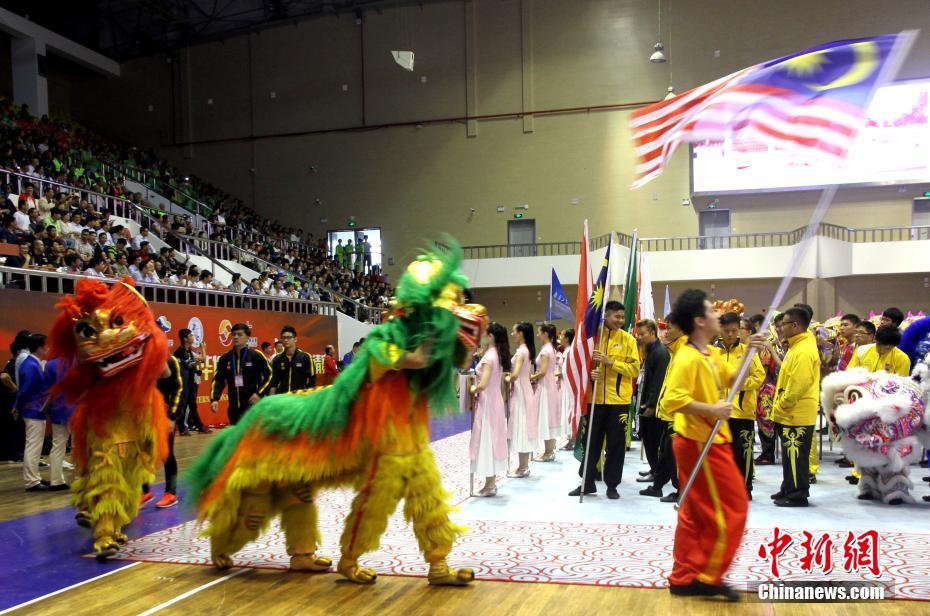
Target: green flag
x=631, y=284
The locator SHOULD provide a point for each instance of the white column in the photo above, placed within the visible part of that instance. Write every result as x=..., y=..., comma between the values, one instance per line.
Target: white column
x=29, y=87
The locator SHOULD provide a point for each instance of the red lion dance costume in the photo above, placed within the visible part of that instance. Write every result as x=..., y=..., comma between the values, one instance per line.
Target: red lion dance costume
x=119, y=428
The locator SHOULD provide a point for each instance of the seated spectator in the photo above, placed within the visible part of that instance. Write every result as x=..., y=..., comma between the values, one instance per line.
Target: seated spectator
x=205, y=281
x=134, y=266
x=9, y=233
x=24, y=260
x=85, y=246
x=148, y=273
x=73, y=264
x=121, y=268
x=39, y=258
x=96, y=268
x=143, y=236
x=237, y=286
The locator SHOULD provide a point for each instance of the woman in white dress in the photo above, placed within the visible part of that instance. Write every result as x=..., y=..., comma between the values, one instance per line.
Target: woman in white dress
x=489, y=455
x=547, y=392
x=524, y=409
x=568, y=398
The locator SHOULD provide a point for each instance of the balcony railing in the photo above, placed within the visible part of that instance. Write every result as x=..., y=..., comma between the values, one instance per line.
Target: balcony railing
x=739, y=240
x=57, y=282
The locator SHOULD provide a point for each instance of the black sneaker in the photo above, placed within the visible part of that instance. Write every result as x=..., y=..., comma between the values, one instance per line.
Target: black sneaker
x=577, y=491
x=669, y=498
x=865, y=496
x=39, y=487
x=777, y=495
x=651, y=491
x=699, y=589
x=791, y=502
x=813, y=479
x=644, y=473
x=61, y=487
x=612, y=493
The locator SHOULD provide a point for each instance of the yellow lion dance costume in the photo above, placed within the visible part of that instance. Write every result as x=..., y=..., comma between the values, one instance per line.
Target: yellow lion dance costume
x=116, y=353
x=370, y=429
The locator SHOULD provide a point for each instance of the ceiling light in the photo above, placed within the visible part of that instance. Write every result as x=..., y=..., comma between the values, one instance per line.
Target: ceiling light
x=657, y=56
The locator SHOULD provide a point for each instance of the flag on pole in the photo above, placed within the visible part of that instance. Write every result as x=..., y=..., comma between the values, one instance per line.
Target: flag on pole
x=631, y=283
x=578, y=356
x=668, y=304
x=647, y=307
x=558, y=304
x=813, y=100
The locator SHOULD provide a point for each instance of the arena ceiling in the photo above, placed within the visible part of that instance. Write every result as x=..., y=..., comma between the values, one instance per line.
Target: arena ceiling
x=123, y=29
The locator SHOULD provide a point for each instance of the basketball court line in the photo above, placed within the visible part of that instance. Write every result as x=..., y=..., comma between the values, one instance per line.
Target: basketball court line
x=191, y=592
x=67, y=588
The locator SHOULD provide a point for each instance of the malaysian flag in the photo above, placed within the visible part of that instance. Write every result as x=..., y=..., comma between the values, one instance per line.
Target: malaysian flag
x=813, y=100
x=588, y=326
x=578, y=357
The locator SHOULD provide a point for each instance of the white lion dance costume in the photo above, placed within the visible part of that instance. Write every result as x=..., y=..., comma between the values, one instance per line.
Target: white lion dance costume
x=882, y=419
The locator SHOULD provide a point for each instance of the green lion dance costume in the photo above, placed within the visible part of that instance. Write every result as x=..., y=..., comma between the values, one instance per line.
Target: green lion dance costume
x=370, y=429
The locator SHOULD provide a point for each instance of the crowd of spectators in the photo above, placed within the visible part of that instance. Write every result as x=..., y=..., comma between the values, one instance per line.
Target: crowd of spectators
x=62, y=230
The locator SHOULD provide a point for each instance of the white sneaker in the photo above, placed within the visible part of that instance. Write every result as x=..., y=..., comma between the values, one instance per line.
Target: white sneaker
x=67, y=465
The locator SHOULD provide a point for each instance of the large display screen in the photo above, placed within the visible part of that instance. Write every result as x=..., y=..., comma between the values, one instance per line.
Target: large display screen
x=892, y=148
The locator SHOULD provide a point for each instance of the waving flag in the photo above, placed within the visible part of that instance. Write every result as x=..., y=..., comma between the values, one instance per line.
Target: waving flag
x=815, y=99
x=578, y=357
x=631, y=285
x=558, y=304
x=667, y=308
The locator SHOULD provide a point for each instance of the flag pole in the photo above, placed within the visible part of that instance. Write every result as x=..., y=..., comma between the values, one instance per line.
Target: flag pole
x=888, y=71
x=600, y=333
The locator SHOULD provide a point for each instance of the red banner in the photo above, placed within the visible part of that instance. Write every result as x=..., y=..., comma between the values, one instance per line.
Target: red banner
x=210, y=326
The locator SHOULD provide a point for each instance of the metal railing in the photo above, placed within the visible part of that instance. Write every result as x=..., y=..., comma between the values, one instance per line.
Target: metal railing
x=215, y=250
x=118, y=206
x=707, y=242
x=152, y=181
x=45, y=281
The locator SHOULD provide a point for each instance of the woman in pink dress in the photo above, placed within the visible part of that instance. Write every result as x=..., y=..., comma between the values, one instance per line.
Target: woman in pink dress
x=524, y=409
x=547, y=392
x=568, y=398
x=489, y=454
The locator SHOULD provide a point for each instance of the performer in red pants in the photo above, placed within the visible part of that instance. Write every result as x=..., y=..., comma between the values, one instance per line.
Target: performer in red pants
x=712, y=517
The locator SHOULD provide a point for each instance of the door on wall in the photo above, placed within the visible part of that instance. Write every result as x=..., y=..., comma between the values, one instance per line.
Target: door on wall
x=714, y=229
x=920, y=220
x=521, y=238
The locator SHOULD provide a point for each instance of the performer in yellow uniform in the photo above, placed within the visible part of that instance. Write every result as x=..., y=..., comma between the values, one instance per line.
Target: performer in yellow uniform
x=884, y=354
x=743, y=421
x=797, y=399
x=712, y=517
x=616, y=366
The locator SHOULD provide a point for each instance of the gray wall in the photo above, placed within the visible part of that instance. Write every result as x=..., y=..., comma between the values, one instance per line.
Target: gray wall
x=481, y=57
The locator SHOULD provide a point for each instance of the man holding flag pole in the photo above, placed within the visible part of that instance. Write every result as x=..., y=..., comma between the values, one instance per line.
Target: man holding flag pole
x=813, y=101
x=615, y=362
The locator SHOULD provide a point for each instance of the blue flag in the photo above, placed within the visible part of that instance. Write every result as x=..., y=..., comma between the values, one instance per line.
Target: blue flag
x=558, y=304
x=668, y=303
x=595, y=309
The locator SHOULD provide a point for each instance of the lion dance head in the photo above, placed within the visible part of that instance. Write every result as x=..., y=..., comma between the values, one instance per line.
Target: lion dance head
x=107, y=333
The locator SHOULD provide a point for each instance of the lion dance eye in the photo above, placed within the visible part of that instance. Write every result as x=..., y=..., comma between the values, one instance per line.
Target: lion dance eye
x=85, y=331
x=117, y=321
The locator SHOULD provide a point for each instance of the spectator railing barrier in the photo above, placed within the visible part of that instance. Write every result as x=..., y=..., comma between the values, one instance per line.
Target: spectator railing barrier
x=214, y=250
x=117, y=206
x=740, y=240
x=208, y=249
x=152, y=181
x=45, y=281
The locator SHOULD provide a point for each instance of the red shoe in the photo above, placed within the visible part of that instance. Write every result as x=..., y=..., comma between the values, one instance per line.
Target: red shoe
x=146, y=497
x=168, y=500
